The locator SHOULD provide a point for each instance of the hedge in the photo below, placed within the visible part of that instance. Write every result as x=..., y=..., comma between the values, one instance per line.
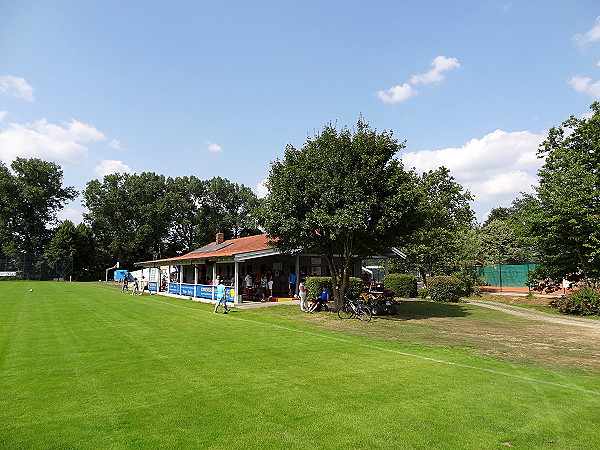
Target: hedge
x=315, y=286
x=403, y=285
x=445, y=289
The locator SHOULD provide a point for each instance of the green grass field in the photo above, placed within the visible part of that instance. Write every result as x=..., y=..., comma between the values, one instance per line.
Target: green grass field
x=84, y=366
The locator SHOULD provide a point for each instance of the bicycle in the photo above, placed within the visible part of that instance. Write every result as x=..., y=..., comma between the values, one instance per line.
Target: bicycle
x=354, y=308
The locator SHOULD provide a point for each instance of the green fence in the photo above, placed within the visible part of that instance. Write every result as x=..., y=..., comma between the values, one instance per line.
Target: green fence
x=35, y=266
x=505, y=276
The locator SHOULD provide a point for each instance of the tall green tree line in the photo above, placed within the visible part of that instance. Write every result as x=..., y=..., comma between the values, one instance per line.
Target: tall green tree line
x=146, y=216
x=130, y=217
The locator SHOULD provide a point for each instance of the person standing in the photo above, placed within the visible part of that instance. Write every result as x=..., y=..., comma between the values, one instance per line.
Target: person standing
x=144, y=285
x=221, y=299
x=292, y=284
x=136, y=287
x=270, y=286
x=303, y=295
x=125, y=286
x=248, y=282
x=264, y=284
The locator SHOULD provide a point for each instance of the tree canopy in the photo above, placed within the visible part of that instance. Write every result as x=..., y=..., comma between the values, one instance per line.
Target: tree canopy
x=344, y=193
x=30, y=198
x=436, y=246
x=562, y=218
x=78, y=242
x=139, y=217
x=207, y=207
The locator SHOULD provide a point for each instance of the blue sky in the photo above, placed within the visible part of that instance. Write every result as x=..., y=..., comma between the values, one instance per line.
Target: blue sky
x=220, y=88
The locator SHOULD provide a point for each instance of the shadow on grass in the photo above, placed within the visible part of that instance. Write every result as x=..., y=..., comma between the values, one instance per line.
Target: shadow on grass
x=414, y=310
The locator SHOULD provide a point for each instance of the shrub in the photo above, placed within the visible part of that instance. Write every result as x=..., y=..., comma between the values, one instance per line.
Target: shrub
x=584, y=302
x=423, y=293
x=315, y=286
x=469, y=280
x=403, y=285
x=445, y=289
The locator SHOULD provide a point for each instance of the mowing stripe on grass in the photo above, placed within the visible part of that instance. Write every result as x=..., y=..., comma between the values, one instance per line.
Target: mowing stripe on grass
x=410, y=355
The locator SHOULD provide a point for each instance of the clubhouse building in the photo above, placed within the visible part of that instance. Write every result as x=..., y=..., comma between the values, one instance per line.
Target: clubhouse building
x=193, y=273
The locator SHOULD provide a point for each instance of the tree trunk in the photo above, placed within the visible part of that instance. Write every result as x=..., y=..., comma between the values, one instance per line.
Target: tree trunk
x=335, y=282
x=423, y=277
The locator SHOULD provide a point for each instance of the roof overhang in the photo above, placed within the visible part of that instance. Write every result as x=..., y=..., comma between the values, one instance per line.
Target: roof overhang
x=256, y=254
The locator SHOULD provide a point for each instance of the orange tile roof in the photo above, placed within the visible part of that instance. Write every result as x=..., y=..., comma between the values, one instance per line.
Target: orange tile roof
x=231, y=247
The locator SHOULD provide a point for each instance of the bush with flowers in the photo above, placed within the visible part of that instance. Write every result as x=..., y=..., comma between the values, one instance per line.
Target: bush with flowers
x=583, y=302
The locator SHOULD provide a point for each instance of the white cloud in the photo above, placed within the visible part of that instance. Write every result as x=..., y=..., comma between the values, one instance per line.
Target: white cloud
x=16, y=87
x=114, y=143
x=584, y=85
x=3, y=115
x=71, y=214
x=83, y=132
x=397, y=94
x=495, y=152
x=213, y=147
x=591, y=36
x=108, y=166
x=440, y=64
x=503, y=185
x=405, y=91
x=261, y=189
x=497, y=167
x=41, y=139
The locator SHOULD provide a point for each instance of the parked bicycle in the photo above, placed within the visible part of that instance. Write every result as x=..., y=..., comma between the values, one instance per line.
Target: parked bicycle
x=354, y=308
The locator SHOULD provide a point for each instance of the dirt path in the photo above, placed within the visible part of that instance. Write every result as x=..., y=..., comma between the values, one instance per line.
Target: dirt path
x=537, y=315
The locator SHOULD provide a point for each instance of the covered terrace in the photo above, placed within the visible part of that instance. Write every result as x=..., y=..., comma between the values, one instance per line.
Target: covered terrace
x=193, y=273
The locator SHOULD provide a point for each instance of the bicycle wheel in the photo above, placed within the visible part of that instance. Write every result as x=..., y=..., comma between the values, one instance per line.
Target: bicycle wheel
x=345, y=311
x=364, y=313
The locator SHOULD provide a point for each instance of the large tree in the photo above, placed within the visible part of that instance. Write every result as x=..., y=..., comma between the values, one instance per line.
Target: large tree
x=139, y=217
x=30, y=198
x=232, y=207
x=130, y=216
x=563, y=216
x=77, y=242
x=502, y=239
x=344, y=193
x=8, y=200
x=207, y=207
x=436, y=247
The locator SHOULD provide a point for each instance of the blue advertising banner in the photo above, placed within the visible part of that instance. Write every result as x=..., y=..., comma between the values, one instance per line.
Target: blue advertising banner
x=199, y=290
x=205, y=291
x=187, y=289
x=153, y=286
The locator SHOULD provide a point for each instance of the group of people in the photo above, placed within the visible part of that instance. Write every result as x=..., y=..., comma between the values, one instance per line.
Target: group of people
x=136, y=289
x=263, y=284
